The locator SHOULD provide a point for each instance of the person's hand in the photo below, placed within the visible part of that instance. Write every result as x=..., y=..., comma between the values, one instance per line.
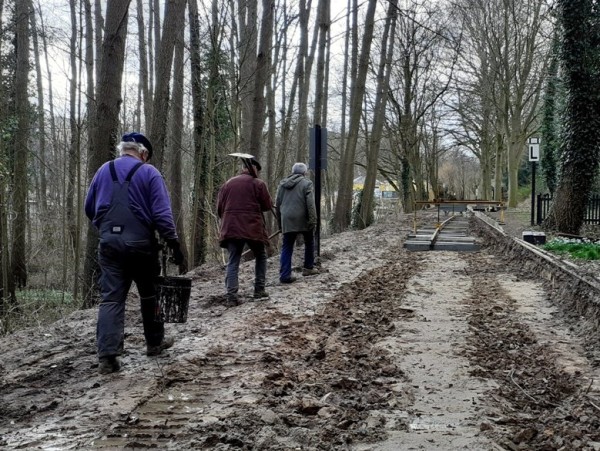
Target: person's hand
x=176, y=254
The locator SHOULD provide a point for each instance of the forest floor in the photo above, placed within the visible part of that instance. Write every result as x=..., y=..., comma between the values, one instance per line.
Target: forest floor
x=385, y=349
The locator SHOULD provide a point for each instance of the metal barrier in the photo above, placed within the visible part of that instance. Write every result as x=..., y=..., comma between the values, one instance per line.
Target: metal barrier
x=544, y=202
x=458, y=206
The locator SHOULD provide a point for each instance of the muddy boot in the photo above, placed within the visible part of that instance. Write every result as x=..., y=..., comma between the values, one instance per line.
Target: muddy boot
x=110, y=364
x=232, y=300
x=156, y=350
x=310, y=271
x=261, y=294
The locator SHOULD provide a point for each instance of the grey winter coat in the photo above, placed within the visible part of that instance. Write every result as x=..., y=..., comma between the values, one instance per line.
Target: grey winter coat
x=295, y=204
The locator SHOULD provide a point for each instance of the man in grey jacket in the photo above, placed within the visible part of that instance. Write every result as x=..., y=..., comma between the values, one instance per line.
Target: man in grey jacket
x=297, y=214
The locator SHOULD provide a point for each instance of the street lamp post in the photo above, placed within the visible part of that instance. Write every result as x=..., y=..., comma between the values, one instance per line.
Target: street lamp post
x=534, y=157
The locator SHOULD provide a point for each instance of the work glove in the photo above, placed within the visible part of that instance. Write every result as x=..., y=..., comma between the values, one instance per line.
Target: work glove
x=176, y=254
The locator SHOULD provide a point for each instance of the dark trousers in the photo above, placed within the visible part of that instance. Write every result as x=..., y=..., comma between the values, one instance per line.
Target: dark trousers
x=118, y=271
x=235, y=248
x=287, y=250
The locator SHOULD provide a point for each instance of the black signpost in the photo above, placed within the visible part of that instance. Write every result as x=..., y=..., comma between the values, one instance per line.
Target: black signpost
x=534, y=157
x=318, y=163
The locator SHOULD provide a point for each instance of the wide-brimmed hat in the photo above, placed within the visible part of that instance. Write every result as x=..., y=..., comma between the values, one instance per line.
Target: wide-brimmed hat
x=256, y=164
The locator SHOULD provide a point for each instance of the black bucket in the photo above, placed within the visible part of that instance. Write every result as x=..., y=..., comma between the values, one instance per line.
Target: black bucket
x=174, y=298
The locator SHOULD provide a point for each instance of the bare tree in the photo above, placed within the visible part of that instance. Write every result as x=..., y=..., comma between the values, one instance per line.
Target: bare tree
x=419, y=81
x=144, y=69
x=105, y=124
x=41, y=119
x=581, y=136
x=320, y=86
x=199, y=212
x=263, y=66
x=383, y=80
x=174, y=17
x=6, y=284
x=344, y=203
x=510, y=47
x=247, y=26
x=73, y=153
x=175, y=133
x=19, y=225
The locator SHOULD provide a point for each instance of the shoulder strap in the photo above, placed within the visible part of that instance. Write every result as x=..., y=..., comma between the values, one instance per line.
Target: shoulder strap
x=133, y=171
x=113, y=172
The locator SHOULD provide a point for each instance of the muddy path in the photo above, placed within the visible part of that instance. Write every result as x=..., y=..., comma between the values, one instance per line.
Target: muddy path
x=383, y=350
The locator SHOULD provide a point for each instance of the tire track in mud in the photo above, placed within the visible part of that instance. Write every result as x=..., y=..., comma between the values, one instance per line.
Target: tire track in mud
x=294, y=381
x=447, y=402
x=538, y=404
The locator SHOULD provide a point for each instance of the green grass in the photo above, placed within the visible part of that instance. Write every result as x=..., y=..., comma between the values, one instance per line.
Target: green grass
x=576, y=249
x=35, y=308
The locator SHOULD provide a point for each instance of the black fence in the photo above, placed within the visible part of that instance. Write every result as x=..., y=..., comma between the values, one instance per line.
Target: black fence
x=592, y=215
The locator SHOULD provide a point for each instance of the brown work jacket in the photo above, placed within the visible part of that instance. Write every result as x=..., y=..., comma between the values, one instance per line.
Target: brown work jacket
x=240, y=204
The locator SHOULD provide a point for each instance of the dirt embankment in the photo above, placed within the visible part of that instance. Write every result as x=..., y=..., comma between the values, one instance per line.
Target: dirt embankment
x=383, y=350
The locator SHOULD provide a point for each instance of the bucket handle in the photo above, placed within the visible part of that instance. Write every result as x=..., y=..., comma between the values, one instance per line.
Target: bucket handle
x=163, y=269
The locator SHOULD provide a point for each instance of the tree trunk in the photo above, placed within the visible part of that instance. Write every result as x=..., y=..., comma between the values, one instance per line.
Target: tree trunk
x=320, y=87
x=19, y=268
x=295, y=90
x=383, y=77
x=73, y=156
x=176, y=146
x=98, y=33
x=41, y=117
x=263, y=66
x=199, y=214
x=248, y=31
x=6, y=285
x=174, y=17
x=344, y=203
x=304, y=86
x=144, y=84
x=106, y=122
x=581, y=137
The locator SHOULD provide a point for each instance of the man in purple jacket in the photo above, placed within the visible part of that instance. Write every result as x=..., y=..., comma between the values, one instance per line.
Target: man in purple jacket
x=127, y=202
x=240, y=205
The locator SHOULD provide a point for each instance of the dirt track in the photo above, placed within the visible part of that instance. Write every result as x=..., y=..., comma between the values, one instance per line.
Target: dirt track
x=383, y=350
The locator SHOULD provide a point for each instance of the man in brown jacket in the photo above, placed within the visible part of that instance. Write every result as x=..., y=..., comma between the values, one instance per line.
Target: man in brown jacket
x=240, y=205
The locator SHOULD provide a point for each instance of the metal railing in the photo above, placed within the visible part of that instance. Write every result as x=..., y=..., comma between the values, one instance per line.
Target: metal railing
x=544, y=202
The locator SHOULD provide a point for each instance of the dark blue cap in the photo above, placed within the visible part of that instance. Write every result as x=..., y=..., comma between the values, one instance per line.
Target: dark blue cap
x=135, y=137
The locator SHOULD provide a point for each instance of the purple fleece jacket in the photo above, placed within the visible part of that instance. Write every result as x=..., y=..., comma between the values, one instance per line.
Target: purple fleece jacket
x=148, y=196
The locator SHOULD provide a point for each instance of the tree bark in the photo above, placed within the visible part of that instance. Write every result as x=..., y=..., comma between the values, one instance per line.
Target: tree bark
x=320, y=87
x=263, y=67
x=581, y=137
x=144, y=83
x=176, y=146
x=41, y=119
x=344, y=203
x=105, y=128
x=174, y=17
x=383, y=78
x=19, y=266
x=248, y=31
x=199, y=215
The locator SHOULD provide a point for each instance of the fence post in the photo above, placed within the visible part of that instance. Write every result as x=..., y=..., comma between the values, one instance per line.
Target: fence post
x=539, y=210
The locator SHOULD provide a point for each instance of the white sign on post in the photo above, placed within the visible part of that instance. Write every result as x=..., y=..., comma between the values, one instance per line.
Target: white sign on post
x=534, y=149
